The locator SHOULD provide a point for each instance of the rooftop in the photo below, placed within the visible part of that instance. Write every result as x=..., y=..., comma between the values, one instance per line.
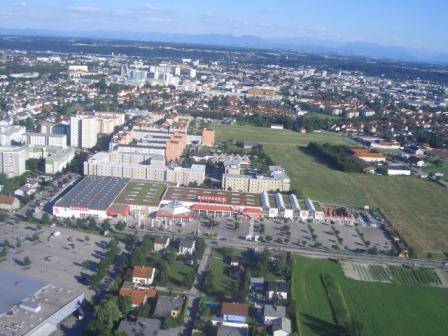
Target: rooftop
x=93, y=192
x=186, y=194
x=143, y=193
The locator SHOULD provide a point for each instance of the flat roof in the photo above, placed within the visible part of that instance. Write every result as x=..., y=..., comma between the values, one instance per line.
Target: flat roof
x=186, y=194
x=93, y=192
x=138, y=192
x=14, y=288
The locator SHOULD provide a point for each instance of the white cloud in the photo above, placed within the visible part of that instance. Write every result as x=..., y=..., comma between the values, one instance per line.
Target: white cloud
x=85, y=9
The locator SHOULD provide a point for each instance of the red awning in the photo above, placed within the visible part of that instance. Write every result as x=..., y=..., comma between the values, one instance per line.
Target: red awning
x=118, y=210
x=252, y=211
x=211, y=207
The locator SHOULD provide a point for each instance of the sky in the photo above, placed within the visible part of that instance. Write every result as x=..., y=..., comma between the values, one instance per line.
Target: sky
x=415, y=24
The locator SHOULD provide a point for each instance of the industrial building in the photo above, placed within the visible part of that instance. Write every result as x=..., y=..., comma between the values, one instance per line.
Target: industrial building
x=107, y=197
x=91, y=197
x=32, y=307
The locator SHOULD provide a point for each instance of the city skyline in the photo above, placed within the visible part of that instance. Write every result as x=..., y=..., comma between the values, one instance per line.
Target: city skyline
x=416, y=25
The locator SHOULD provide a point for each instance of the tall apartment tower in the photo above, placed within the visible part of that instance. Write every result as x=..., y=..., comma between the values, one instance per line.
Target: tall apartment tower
x=12, y=160
x=83, y=131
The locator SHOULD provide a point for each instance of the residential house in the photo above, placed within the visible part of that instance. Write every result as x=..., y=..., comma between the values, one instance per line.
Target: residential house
x=281, y=327
x=167, y=306
x=143, y=275
x=187, y=246
x=272, y=313
x=234, y=312
x=231, y=331
x=138, y=296
x=9, y=203
x=277, y=289
x=257, y=285
x=161, y=243
x=141, y=327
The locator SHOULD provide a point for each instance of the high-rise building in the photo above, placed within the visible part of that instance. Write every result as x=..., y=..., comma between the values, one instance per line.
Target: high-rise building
x=12, y=160
x=83, y=131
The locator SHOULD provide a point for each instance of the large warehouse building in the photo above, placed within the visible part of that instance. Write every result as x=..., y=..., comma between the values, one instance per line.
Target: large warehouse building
x=107, y=197
x=32, y=307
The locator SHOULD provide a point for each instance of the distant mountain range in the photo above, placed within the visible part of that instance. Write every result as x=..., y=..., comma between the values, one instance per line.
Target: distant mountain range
x=302, y=44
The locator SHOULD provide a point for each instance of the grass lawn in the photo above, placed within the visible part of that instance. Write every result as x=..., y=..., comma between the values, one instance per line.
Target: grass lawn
x=222, y=283
x=434, y=168
x=417, y=208
x=382, y=309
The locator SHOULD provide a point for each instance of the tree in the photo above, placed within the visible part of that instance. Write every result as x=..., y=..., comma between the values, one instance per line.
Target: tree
x=237, y=226
x=3, y=252
x=29, y=215
x=262, y=228
x=125, y=305
x=92, y=224
x=168, y=323
x=105, y=226
x=120, y=226
x=87, y=238
x=85, y=264
x=18, y=243
x=26, y=261
x=45, y=219
x=108, y=313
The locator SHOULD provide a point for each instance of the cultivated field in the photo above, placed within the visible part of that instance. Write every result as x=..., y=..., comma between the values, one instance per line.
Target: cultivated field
x=417, y=208
x=394, y=274
x=381, y=308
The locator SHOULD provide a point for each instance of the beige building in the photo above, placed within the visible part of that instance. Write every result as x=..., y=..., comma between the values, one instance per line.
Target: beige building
x=150, y=167
x=107, y=121
x=58, y=161
x=83, y=131
x=12, y=160
x=45, y=139
x=278, y=180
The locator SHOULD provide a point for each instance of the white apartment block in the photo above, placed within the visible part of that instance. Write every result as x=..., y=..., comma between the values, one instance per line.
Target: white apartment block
x=10, y=134
x=45, y=139
x=12, y=160
x=83, y=131
x=143, y=167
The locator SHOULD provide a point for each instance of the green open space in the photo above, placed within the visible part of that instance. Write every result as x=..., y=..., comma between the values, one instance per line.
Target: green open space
x=380, y=308
x=416, y=207
x=219, y=282
x=441, y=167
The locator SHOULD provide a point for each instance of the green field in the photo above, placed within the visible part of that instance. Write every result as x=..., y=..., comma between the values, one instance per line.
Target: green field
x=382, y=309
x=418, y=208
x=442, y=168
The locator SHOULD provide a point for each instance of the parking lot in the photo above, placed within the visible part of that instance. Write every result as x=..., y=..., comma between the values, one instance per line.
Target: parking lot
x=55, y=259
x=343, y=237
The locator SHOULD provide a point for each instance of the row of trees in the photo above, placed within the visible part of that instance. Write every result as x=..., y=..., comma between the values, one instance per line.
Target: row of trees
x=336, y=156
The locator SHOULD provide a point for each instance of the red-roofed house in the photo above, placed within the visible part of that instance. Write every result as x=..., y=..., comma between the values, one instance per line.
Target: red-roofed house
x=138, y=296
x=143, y=275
